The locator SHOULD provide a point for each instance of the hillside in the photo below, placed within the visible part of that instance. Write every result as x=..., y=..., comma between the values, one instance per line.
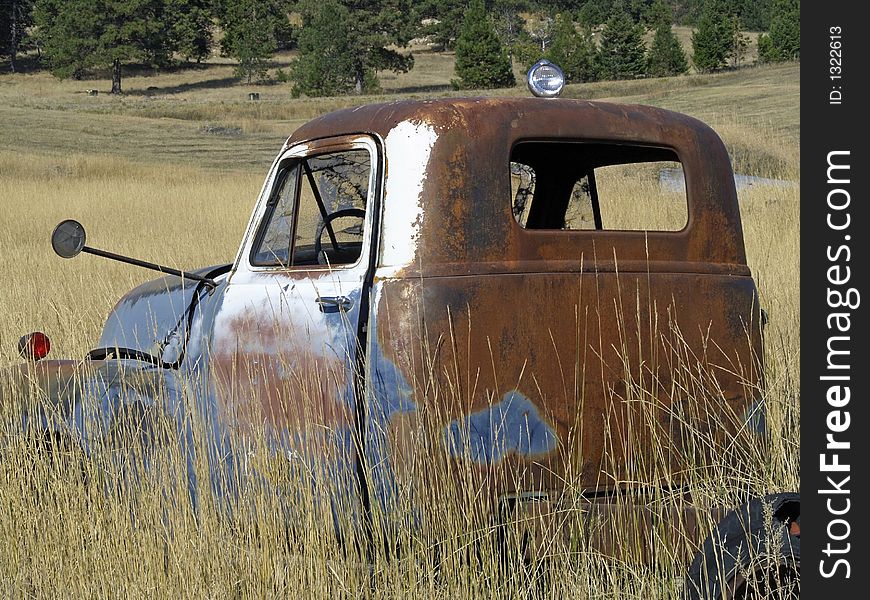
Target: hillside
x=202, y=116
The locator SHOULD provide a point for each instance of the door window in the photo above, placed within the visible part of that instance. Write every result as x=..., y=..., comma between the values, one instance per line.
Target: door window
x=316, y=212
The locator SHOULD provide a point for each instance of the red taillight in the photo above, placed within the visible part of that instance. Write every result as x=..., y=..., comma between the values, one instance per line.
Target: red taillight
x=34, y=346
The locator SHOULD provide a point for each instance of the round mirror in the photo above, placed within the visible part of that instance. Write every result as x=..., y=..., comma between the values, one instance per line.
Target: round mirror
x=68, y=238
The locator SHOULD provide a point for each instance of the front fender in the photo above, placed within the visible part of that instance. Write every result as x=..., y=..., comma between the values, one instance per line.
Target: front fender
x=114, y=403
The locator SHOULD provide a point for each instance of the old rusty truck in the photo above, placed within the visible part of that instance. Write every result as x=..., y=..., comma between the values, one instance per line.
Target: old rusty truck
x=506, y=288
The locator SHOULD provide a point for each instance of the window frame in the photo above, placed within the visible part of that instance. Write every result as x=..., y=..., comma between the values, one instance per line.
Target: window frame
x=287, y=161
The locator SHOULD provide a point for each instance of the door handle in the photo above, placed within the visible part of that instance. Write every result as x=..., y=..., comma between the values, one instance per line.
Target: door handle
x=333, y=304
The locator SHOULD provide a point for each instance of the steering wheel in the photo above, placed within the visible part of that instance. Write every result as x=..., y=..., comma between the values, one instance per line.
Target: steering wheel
x=318, y=239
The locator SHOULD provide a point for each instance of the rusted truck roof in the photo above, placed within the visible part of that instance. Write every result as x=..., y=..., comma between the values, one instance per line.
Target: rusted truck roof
x=452, y=183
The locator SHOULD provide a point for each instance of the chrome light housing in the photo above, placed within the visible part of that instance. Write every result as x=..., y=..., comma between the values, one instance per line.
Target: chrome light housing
x=545, y=79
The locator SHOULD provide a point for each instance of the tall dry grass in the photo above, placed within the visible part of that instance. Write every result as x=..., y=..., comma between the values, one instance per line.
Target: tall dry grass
x=71, y=527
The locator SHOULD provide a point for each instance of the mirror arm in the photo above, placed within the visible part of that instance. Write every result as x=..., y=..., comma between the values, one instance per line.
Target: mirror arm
x=149, y=265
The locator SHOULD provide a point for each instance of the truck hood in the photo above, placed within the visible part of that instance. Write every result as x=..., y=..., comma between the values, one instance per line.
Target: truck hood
x=148, y=315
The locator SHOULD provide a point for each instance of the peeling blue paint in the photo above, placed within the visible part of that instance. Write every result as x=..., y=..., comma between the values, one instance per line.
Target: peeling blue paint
x=394, y=395
x=755, y=417
x=510, y=426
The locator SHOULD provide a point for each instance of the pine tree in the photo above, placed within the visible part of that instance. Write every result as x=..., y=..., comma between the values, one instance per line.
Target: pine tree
x=784, y=40
x=79, y=34
x=766, y=52
x=622, y=53
x=378, y=27
x=509, y=25
x=593, y=12
x=638, y=10
x=324, y=66
x=755, y=14
x=249, y=34
x=444, y=18
x=190, y=23
x=659, y=12
x=739, y=41
x=67, y=32
x=481, y=61
x=15, y=18
x=666, y=56
x=526, y=50
x=712, y=41
x=573, y=51
x=370, y=31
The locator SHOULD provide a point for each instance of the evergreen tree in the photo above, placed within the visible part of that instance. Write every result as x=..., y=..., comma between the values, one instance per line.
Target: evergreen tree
x=712, y=41
x=15, y=17
x=666, y=56
x=377, y=28
x=784, y=40
x=526, y=51
x=739, y=41
x=638, y=10
x=190, y=24
x=765, y=49
x=80, y=34
x=370, y=31
x=67, y=32
x=509, y=25
x=325, y=65
x=658, y=12
x=444, y=18
x=594, y=12
x=249, y=34
x=755, y=14
x=573, y=51
x=686, y=12
x=481, y=60
x=622, y=53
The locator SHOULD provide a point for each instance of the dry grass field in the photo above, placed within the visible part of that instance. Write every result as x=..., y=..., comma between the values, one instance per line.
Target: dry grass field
x=169, y=172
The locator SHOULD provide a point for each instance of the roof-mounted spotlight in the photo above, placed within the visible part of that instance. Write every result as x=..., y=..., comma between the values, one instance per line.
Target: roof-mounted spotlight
x=545, y=79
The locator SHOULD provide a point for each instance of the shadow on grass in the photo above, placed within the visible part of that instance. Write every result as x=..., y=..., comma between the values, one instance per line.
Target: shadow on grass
x=24, y=63
x=207, y=84
x=419, y=89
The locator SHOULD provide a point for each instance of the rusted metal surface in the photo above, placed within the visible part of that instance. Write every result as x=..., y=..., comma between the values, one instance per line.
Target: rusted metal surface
x=530, y=359
x=632, y=530
x=525, y=340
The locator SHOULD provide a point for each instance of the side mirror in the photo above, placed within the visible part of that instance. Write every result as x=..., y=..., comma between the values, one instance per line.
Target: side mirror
x=68, y=238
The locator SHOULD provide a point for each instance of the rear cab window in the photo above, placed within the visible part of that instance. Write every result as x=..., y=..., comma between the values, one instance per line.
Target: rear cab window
x=575, y=186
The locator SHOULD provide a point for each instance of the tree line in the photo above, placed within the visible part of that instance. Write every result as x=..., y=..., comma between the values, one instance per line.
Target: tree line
x=342, y=44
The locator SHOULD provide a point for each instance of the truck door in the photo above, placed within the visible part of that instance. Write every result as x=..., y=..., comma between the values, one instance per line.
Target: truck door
x=284, y=344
